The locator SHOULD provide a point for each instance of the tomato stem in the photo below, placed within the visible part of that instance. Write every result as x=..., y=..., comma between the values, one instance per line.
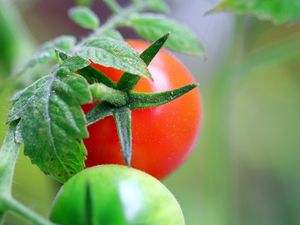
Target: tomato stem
x=18, y=208
x=102, y=92
x=8, y=156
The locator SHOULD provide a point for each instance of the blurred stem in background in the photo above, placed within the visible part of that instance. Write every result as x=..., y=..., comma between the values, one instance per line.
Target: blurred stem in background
x=217, y=164
x=16, y=41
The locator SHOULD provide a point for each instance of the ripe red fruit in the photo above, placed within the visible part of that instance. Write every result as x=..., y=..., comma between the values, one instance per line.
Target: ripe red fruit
x=163, y=136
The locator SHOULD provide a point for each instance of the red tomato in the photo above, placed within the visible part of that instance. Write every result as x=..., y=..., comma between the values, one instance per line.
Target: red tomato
x=163, y=136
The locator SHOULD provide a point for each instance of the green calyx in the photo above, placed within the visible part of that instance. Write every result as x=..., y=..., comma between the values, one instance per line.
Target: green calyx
x=119, y=99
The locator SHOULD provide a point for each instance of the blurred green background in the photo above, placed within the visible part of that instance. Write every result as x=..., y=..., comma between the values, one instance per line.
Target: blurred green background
x=245, y=169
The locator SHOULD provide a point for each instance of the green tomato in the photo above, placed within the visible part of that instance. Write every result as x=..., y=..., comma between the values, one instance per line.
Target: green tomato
x=115, y=195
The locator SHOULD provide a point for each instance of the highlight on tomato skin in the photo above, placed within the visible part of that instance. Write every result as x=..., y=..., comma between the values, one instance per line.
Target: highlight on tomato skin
x=115, y=195
x=162, y=137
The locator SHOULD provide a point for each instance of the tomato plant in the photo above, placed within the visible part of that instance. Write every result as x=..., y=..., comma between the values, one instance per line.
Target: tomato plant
x=162, y=136
x=115, y=195
x=148, y=118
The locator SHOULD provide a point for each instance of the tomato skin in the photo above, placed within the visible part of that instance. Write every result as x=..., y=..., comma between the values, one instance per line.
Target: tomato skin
x=117, y=195
x=163, y=136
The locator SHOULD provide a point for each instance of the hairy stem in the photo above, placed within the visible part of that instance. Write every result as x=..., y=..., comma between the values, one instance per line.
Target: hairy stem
x=26, y=213
x=8, y=156
x=102, y=92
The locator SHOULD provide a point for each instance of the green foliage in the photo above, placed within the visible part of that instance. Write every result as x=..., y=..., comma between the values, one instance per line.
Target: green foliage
x=159, y=6
x=84, y=17
x=279, y=11
x=47, y=116
x=52, y=123
x=114, y=53
x=47, y=51
x=151, y=27
x=72, y=65
x=112, y=33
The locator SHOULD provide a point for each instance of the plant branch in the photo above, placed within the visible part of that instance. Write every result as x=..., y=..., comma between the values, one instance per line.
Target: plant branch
x=10, y=148
x=121, y=18
x=102, y=92
x=26, y=213
x=8, y=156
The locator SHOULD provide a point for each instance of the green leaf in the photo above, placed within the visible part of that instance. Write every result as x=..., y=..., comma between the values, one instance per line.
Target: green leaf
x=84, y=17
x=72, y=64
x=122, y=118
x=47, y=51
x=151, y=27
x=99, y=112
x=52, y=123
x=128, y=81
x=159, y=6
x=114, y=53
x=81, y=65
x=112, y=33
x=279, y=11
x=146, y=100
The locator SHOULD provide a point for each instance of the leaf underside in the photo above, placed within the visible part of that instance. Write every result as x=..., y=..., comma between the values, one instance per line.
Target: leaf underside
x=52, y=124
x=114, y=53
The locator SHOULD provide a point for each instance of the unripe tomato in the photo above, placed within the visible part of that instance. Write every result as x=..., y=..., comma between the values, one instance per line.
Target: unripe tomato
x=115, y=195
x=163, y=136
